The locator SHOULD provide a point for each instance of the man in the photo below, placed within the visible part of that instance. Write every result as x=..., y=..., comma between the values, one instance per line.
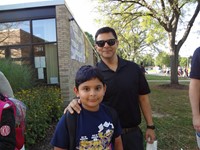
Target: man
x=143, y=68
x=127, y=91
x=194, y=89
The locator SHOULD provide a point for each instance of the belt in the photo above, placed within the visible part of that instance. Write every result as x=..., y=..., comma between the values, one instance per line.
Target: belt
x=127, y=130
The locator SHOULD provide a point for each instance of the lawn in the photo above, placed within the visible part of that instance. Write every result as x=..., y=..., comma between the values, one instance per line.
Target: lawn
x=172, y=117
x=157, y=77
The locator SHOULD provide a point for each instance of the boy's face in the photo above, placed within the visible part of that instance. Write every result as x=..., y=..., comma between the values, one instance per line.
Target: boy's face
x=91, y=93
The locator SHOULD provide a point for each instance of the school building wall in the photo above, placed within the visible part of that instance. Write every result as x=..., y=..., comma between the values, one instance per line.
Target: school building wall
x=67, y=66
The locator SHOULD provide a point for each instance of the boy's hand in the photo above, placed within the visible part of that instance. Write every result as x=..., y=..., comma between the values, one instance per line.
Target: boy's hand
x=74, y=105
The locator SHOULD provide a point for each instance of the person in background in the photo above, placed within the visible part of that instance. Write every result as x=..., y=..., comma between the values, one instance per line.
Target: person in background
x=6, y=90
x=194, y=90
x=7, y=122
x=143, y=68
x=95, y=125
x=127, y=91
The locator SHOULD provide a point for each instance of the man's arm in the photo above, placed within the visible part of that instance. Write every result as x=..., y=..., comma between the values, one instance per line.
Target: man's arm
x=194, y=96
x=74, y=105
x=146, y=110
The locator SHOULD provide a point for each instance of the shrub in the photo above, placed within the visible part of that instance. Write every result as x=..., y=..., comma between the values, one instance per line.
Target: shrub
x=19, y=76
x=44, y=106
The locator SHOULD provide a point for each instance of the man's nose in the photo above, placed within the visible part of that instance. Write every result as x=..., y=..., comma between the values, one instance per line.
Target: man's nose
x=106, y=44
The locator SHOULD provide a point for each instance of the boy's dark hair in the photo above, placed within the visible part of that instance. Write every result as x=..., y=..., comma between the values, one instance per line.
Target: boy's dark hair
x=86, y=73
x=105, y=30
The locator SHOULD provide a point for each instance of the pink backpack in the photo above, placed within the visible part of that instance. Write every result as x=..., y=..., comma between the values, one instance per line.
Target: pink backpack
x=19, y=112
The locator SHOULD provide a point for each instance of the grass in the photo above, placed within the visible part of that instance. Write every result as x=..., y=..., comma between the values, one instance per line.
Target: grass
x=172, y=117
x=157, y=77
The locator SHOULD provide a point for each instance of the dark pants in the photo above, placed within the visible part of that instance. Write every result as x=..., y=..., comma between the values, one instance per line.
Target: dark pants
x=133, y=140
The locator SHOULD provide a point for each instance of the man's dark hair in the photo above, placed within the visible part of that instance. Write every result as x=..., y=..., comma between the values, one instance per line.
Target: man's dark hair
x=86, y=73
x=105, y=30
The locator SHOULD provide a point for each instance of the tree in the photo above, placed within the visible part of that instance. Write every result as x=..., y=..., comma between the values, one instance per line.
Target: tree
x=163, y=59
x=183, y=61
x=166, y=14
x=90, y=38
x=148, y=60
x=134, y=39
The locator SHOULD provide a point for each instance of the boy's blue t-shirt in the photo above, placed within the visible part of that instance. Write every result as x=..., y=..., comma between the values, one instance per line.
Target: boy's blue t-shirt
x=94, y=130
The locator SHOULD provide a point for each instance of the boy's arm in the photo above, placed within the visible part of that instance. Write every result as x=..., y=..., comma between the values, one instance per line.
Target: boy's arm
x=118, y=143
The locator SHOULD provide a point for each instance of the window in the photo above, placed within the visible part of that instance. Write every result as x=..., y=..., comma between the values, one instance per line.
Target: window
x=44, y=31
x=15, y=33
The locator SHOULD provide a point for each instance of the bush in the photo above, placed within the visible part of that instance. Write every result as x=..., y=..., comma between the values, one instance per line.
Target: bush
x=44, y=106
x=19, y=76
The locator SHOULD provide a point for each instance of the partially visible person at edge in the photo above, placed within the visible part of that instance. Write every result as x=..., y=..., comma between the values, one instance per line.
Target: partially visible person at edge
x=95, y=125
x=8, y=140
x=194, y=89
x=127, y=91
x=143, y=68
x=7, y=123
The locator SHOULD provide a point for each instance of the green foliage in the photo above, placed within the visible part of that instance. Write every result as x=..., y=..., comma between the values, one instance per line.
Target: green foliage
x=90, y=37
x=183, y=61
x=135, y=39
x=147, y=60
x=19, y=76
x=44, y=106
x=163, y=59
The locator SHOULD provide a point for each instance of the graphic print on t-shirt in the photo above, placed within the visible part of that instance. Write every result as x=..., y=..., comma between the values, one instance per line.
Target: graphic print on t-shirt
x=100, y=140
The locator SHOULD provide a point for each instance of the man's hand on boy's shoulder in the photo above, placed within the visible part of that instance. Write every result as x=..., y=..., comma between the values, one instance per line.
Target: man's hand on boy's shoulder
x=74, y=105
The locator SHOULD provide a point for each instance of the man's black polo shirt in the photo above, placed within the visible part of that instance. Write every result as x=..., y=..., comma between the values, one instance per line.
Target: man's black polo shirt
x=123, y=89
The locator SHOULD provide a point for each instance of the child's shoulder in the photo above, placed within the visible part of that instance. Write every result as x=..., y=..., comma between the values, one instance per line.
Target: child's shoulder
x=106, y=107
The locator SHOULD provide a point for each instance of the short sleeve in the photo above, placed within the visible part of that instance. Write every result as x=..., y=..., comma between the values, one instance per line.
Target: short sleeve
x=195, y=65
x=61, y=136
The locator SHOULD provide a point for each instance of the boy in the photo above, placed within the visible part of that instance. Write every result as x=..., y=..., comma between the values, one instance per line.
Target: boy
x=95, y=125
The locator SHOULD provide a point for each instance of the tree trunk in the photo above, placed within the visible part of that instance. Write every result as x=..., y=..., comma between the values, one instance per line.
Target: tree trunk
x=173, y=59
x=174, y=66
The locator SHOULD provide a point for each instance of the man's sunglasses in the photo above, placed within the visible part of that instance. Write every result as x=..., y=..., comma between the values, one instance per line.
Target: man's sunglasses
x=110, y=42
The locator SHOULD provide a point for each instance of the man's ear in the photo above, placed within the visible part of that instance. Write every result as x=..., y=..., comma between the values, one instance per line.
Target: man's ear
x=95, y=46
x=117, y=41
x=76, y=91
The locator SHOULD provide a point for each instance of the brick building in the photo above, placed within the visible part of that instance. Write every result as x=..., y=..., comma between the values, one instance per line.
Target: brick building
x=46, y=36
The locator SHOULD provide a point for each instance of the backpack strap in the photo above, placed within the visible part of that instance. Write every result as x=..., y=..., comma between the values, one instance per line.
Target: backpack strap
x=2, y=104
x=111, y=112
x=71, y=122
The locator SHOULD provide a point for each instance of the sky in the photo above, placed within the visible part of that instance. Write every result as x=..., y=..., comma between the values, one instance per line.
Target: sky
x=84, y=14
